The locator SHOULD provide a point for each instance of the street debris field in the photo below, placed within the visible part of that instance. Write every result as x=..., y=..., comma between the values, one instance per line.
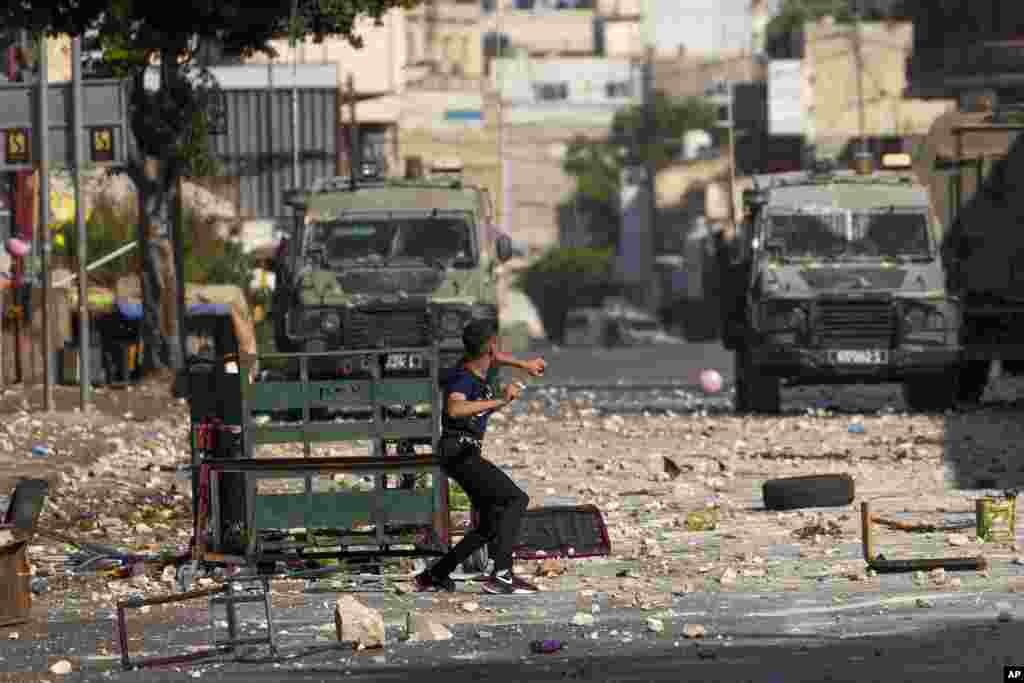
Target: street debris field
x=680, y=485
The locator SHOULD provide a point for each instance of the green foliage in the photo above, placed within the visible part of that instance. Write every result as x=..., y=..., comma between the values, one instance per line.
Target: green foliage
x=597, y=164
x=793, y=14
x=564, y=279
x=111, y=227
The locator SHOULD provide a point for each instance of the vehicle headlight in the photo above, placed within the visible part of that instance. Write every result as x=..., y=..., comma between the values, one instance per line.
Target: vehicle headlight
x=330, y=322
x=790, y=318
x=451, y=323
x=921, y=319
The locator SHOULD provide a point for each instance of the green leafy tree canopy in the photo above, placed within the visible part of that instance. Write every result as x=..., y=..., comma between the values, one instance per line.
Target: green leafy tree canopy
x=597, y=165
x=170, y=122
x=793, y=14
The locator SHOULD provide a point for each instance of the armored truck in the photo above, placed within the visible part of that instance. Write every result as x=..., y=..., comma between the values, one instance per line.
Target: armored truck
x=839, y=280
x=388, y=263
x=972, y=163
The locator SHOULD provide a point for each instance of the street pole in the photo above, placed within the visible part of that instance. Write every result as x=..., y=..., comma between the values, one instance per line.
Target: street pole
x=858, y=53
x=651, y=169
x=83, y=288
x=354, y=129
x=732, y=157
x=499, y=83
x=43, y=138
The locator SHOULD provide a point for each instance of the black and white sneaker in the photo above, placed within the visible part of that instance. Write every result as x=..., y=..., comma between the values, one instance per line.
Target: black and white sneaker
x=507, y=583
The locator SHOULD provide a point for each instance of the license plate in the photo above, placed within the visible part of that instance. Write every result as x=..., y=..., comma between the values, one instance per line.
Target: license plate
x=397, y=361
x=859, y=357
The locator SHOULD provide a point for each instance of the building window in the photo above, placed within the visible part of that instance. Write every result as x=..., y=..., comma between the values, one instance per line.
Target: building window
x=616, y=89
x=549, y=92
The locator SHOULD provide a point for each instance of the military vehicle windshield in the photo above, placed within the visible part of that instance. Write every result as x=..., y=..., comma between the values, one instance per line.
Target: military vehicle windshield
x=437, y=241
x=834, y=234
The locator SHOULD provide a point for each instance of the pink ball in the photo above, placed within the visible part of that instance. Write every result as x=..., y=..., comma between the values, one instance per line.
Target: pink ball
x=16, y=247
x=711, y=381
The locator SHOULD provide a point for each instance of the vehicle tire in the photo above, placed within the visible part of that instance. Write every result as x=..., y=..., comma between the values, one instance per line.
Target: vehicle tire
x=816, y=490
x=973, y=378
x=931, y=393
x=755, y=393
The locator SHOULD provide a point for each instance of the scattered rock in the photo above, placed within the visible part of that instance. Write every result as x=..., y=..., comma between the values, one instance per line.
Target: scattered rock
x=728, y=577
x=61, y=668
x=470, y=606
x=583, y=619
x=694, y=631
x=427, y=629
x=958, y=540
x=671, y=468
x=169, y=574
x=550, y=568
x=358, y=624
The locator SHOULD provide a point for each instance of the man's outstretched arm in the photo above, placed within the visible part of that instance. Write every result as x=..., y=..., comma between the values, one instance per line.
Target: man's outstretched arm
x=535, y=366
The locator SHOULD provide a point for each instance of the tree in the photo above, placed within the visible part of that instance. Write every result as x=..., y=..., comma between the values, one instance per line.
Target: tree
x=169, y=122
x=784, y=31
x=597, y=164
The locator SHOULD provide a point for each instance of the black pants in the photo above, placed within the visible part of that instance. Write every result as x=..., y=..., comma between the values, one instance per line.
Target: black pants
x=496, y=497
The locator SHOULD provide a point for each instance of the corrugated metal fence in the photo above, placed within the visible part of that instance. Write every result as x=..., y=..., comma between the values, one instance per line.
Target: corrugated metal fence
x=258, y=146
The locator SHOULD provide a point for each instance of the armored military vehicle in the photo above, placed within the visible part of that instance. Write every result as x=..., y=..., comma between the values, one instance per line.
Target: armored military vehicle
x=840, y=281
x=972, y=162
x=389, y=263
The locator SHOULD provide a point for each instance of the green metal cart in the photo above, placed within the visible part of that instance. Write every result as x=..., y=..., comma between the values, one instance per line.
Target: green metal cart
x=236, y=522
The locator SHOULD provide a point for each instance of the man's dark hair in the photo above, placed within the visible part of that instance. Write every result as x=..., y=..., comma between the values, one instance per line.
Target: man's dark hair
x=476, y=335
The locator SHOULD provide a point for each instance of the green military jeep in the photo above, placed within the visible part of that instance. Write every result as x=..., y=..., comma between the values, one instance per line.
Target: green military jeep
x=384, y=263
x=839, y=280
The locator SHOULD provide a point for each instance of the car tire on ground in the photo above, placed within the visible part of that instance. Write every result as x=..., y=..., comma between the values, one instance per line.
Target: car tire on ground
x=932, y=393
x=816, y=490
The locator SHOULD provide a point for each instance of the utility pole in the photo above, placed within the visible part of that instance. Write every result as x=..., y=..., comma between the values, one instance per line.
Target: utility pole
x=354, y=128
x=650, y=137
x=858, y=55
x=42, y=137
x=84, y=356
x=732, y=156
x=502, y=184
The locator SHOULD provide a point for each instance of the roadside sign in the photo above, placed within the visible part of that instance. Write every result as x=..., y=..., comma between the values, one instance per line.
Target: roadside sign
x=105, y=114
x=17, y=149
x=102, y=144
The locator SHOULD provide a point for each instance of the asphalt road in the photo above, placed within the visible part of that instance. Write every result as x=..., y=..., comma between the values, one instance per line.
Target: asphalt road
x=776, y=638
x=663, y=364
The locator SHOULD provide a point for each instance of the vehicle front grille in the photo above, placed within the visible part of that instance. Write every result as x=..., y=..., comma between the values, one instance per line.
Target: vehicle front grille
x=855, y=324
x=377, y=329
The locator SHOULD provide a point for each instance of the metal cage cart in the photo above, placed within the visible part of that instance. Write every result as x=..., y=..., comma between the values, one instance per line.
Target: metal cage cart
x=329, y=397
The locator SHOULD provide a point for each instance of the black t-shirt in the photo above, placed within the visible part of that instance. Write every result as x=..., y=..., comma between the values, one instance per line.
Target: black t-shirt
x=463, y=381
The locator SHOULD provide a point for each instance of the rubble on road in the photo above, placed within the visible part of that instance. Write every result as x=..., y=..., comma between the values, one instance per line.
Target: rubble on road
x=117, y=484
x=358, y=624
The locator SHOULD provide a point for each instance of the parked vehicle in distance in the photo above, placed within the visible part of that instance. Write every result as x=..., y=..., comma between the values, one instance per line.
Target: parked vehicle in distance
x=615, y=324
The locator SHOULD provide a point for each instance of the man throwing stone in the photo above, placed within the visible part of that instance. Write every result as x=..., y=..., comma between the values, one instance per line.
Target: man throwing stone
x=468, y=402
